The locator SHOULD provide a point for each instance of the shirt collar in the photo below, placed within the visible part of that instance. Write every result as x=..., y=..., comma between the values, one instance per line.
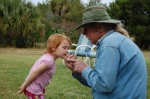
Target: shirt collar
x=101, y=39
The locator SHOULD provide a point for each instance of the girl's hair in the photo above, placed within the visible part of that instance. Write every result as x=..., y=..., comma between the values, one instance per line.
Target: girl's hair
x=54, y=41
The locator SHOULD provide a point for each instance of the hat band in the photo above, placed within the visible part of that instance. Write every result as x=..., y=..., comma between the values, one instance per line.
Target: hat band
x=87, y=20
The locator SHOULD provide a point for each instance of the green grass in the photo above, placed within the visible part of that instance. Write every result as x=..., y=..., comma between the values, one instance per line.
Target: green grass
x=147, y=58
x=16, y=63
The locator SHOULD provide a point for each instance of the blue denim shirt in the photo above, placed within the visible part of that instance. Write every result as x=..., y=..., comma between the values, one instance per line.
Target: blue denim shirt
x=120, y=69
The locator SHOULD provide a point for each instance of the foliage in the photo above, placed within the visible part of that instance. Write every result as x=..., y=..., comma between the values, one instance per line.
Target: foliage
x=74, y=36
x=65, y=13
x=19, y=22
x=52, y=30
x=136, y=14
x=22, y=24
x=75, y=10
x=94, y=3
x=112, y=11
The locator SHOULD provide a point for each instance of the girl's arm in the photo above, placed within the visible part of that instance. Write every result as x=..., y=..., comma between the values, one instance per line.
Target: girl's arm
x=33, y=75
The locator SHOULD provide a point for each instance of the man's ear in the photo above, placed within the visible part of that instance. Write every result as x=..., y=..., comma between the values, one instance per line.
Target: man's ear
x=100, y=28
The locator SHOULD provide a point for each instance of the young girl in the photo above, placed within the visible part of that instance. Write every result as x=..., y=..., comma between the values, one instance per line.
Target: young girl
x=43, y=69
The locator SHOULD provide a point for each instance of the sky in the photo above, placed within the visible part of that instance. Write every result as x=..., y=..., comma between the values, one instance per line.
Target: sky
x=85, y=1
x=103, y=1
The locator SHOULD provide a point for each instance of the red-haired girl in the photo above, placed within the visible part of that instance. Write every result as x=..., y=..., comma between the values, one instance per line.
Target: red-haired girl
x=43, y=69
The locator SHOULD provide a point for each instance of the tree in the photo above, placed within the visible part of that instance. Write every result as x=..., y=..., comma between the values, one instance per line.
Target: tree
x=69, y=11
x=136, y=14
x=94, y=3
x=19, y=22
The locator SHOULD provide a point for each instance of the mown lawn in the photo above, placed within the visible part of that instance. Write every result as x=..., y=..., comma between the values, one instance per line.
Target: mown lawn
x=16, y=63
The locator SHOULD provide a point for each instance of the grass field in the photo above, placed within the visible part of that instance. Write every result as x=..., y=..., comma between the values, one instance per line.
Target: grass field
x=16, y=63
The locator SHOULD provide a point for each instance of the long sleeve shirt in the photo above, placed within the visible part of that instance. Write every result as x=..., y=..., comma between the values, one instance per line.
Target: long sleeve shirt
x=120, y=69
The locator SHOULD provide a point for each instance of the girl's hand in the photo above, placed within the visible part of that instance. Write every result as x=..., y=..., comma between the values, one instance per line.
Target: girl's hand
x=33, y=75
x=69, y=60
x=22, y=89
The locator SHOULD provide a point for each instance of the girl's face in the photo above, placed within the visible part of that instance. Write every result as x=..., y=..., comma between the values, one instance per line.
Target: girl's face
x=62, y=49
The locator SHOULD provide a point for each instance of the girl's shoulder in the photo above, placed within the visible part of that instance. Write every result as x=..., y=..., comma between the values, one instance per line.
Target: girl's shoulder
x=47, y=58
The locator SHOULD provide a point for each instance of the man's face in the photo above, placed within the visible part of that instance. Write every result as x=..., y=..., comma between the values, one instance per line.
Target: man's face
x=93, y=33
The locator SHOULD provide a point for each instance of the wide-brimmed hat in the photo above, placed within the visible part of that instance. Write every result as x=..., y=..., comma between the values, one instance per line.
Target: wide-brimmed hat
x=96, y=14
